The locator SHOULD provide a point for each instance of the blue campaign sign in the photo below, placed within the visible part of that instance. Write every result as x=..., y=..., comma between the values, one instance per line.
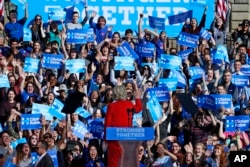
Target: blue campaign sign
x=221, y=53
x=154, y=108
x=53, y=155
x=240, y=80
x=199, y=2
x=4, y=81
x=52, y=61
x=42, y=109
x=156, y=22
x=234, y=123
x=77, y=36
x=8, y=163
x=123, y=14
x=34, y=157
x=136, y=116
x=184, y=54
x=30, y=121
x=57, y=14
x=1, y=128
x=204, y=34
x=169, y=61
x=96, y=127
x=56, y=108
x=90, y=35
x=82, y=112
x=126, y=50
x=180, y=18
x=75, y=65
x=124, y=63
x=170, y=83
x=188, y=40
x=19, y=2
x=196, y=72
x=31, y=65
x=192, y=83
x=245, y=70
x=127, y=134
x=205, y=101
x=222, y=101
x=13, y=144
x=145, y=50
x=161, y=93
x=80, y=129
x=27, y=36
x=181, y=79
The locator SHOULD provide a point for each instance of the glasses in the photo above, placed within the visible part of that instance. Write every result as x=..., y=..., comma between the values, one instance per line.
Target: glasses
x=38, y=19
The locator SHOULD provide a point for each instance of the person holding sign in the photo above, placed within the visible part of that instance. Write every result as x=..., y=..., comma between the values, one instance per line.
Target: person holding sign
x=193, y=27
x=102, y=31
x=14, y=29
x=120, y=114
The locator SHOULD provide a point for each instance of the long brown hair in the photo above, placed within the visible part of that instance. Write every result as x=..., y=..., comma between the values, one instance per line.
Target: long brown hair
x=223, y=156
x=20, y=154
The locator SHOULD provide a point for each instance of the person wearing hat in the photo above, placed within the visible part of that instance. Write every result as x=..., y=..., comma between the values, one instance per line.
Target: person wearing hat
x=62, y=90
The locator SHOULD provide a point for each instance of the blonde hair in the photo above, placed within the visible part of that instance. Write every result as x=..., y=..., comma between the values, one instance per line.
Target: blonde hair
x=119, y=93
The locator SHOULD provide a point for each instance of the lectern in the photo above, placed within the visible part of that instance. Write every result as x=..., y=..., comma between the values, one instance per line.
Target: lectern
x=129, y=140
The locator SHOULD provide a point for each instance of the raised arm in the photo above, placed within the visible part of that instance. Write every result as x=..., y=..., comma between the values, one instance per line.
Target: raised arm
x=84, y=21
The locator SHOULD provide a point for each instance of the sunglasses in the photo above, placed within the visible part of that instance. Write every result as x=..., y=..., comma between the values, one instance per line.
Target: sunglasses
x=38, y=19
x=47, y=137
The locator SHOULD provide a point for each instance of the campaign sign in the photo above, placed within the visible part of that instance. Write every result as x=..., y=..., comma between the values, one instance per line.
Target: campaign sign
x=184, y=54
x=31, y=65
x=9, y=163
x=233, y=123
x=161, y=93
x=245, y=70
x=170, y=83
x=192, y=83
x=156, y=22
x=57, y=14
x=52, y=61
x=90, y=35
x=27, y=36
x=205, y=101
x=13, y=144
x=75, y=65
x=30, y=121
x=53, y=155
x=77, y=36
x=19, y=3
x=169, y=61
x=126, y=50
x=154, y=108
x=127, y=134
x=82, y=112
x=42, y=109
x=80, y=129
x=222, y=101
x=34, y=157
x=221, y=53
x=4, y=81
x=181, y=79
x=1, y=128
x=188, y=40
x=124, y=63
x=136, y=116
x=180, y=18
x=204, y=34
x=56, y=108
x=96, y=127
x=145, y=50
x=196, y=72
x=240, y=80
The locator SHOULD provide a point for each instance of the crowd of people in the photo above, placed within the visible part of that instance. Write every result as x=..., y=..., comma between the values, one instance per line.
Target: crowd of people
x=197, y=140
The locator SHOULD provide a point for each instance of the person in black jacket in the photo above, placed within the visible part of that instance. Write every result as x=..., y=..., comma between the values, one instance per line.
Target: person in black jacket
x=44, y=159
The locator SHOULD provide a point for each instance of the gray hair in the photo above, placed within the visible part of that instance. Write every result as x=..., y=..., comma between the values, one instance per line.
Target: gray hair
x=119, y=93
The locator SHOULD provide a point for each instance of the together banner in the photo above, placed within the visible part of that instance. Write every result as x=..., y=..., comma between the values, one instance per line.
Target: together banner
x=123, y=14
